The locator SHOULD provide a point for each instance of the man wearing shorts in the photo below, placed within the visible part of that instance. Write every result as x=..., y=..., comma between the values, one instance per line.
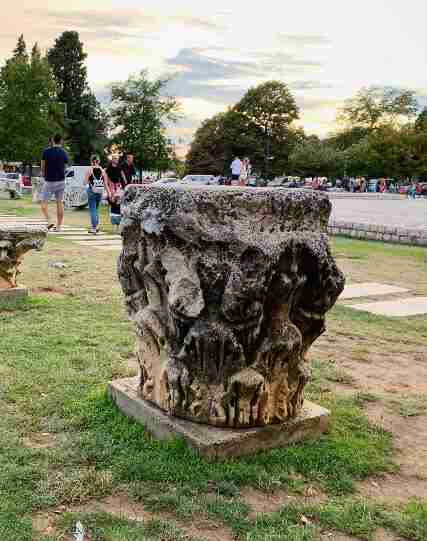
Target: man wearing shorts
x=54, y=160
x=236, y=168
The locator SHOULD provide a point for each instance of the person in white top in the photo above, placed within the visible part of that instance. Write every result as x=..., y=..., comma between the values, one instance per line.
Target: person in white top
x=245, y=172
x=236, y=168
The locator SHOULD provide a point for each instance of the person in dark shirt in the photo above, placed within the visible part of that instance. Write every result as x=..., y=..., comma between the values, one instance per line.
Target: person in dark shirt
x=129, y=170
x=53, y=164
x=115, y=176
x=116, y=183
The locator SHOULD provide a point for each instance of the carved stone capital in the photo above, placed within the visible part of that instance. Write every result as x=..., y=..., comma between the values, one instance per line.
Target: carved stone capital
x=228, y=288
x=15, y=241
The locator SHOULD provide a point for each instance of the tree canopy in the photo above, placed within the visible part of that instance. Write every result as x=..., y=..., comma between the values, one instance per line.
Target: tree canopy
x=86, y=120
x=140, y=111
x=376, y=106
x=29, y=109
x=258, y=126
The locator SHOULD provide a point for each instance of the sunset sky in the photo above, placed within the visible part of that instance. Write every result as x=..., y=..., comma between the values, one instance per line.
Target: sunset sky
x=215, y=50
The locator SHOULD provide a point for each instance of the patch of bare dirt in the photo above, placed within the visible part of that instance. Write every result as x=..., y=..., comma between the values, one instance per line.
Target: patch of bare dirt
x=336, y=536
x=54, y=291
x=208, y=531
x=121, y=506
x=44, y=523
x=393, y=375
x=118, y=505
x=379, y=372
x=61, y=252
x=40, y=440
x=262, y=502
x=390, y=373
x=393, y=487
x=410, y=436
x=269, y=502
x=384, y=535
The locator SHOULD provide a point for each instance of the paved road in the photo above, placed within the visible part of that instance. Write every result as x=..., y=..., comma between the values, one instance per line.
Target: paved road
x=406, y=213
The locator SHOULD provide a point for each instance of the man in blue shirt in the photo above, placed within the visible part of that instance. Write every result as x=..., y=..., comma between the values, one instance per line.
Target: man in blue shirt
x=54, y=160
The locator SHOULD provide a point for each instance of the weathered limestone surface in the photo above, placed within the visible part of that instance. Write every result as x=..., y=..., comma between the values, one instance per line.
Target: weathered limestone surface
x=228, y=288
x=15, y=241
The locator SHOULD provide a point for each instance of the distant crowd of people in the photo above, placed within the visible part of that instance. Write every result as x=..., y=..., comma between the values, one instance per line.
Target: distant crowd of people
x=360, y=185
x=109, y=183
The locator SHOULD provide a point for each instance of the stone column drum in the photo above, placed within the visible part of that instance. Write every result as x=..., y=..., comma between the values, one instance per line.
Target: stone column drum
x=228, y=288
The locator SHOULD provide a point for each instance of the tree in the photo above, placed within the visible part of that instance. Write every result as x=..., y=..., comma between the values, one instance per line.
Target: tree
x=219, y=139
x=140, y=110
x=344, y=139
x=421, y=122
x=67, y=59
x=313, y=157
x=269, y=110
x=29, y=110
x=376, y=106
x=87, y=122
x=258, y=126
x=20, y=51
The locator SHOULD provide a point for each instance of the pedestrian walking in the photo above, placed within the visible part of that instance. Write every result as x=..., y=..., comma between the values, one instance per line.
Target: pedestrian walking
x=115, y=176
x=96, y=181
x=116, y=183
x=236, y=168
x=129, y=170
x=54, y=160
x=245, y=172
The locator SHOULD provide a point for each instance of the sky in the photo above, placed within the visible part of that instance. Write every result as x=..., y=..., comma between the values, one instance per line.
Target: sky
x=214, y=51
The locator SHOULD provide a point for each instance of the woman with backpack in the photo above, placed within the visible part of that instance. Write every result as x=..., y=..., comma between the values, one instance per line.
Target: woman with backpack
x=96, y=181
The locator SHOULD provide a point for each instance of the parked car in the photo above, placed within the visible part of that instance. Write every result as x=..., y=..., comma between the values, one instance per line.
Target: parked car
x=205, y=180
x=11, y=183
x=166, y=180
x=75, y=194
x=287, y=182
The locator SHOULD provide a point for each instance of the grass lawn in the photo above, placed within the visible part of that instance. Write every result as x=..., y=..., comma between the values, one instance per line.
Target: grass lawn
x=68, y=455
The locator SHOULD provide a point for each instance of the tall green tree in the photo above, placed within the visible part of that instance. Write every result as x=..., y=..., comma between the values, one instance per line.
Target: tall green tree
x=218, y=140
x=259, y=126
x=29, y=109
x=87, y=122
x=140, y=111
x=20, y=51
x=421, y=122
x=373, y=107
x=313, y=157
x=269, y=111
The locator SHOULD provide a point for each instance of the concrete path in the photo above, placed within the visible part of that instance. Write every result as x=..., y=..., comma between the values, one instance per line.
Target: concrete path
x=90, y=239
x=371, y=289
x=411, y=306
x=97, y=243
x=402, y=213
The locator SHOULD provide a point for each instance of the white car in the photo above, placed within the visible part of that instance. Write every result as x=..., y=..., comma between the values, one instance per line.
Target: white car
x=166, y=180
x=75, y=194
x=204, y=180
x=11, y=183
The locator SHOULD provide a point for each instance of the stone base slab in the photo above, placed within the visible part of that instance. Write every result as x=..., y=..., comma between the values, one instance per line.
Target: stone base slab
x=212, y=442
x=13, y=294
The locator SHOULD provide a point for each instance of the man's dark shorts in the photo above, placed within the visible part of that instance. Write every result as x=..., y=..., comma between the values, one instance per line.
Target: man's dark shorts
x=53, y=188
x=235, y=177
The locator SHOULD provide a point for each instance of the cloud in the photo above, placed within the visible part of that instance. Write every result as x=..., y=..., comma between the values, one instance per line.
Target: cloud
x=117, y=24
x=310, y=104
x=301, y=40
x=309, y=85
x=207, y=74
